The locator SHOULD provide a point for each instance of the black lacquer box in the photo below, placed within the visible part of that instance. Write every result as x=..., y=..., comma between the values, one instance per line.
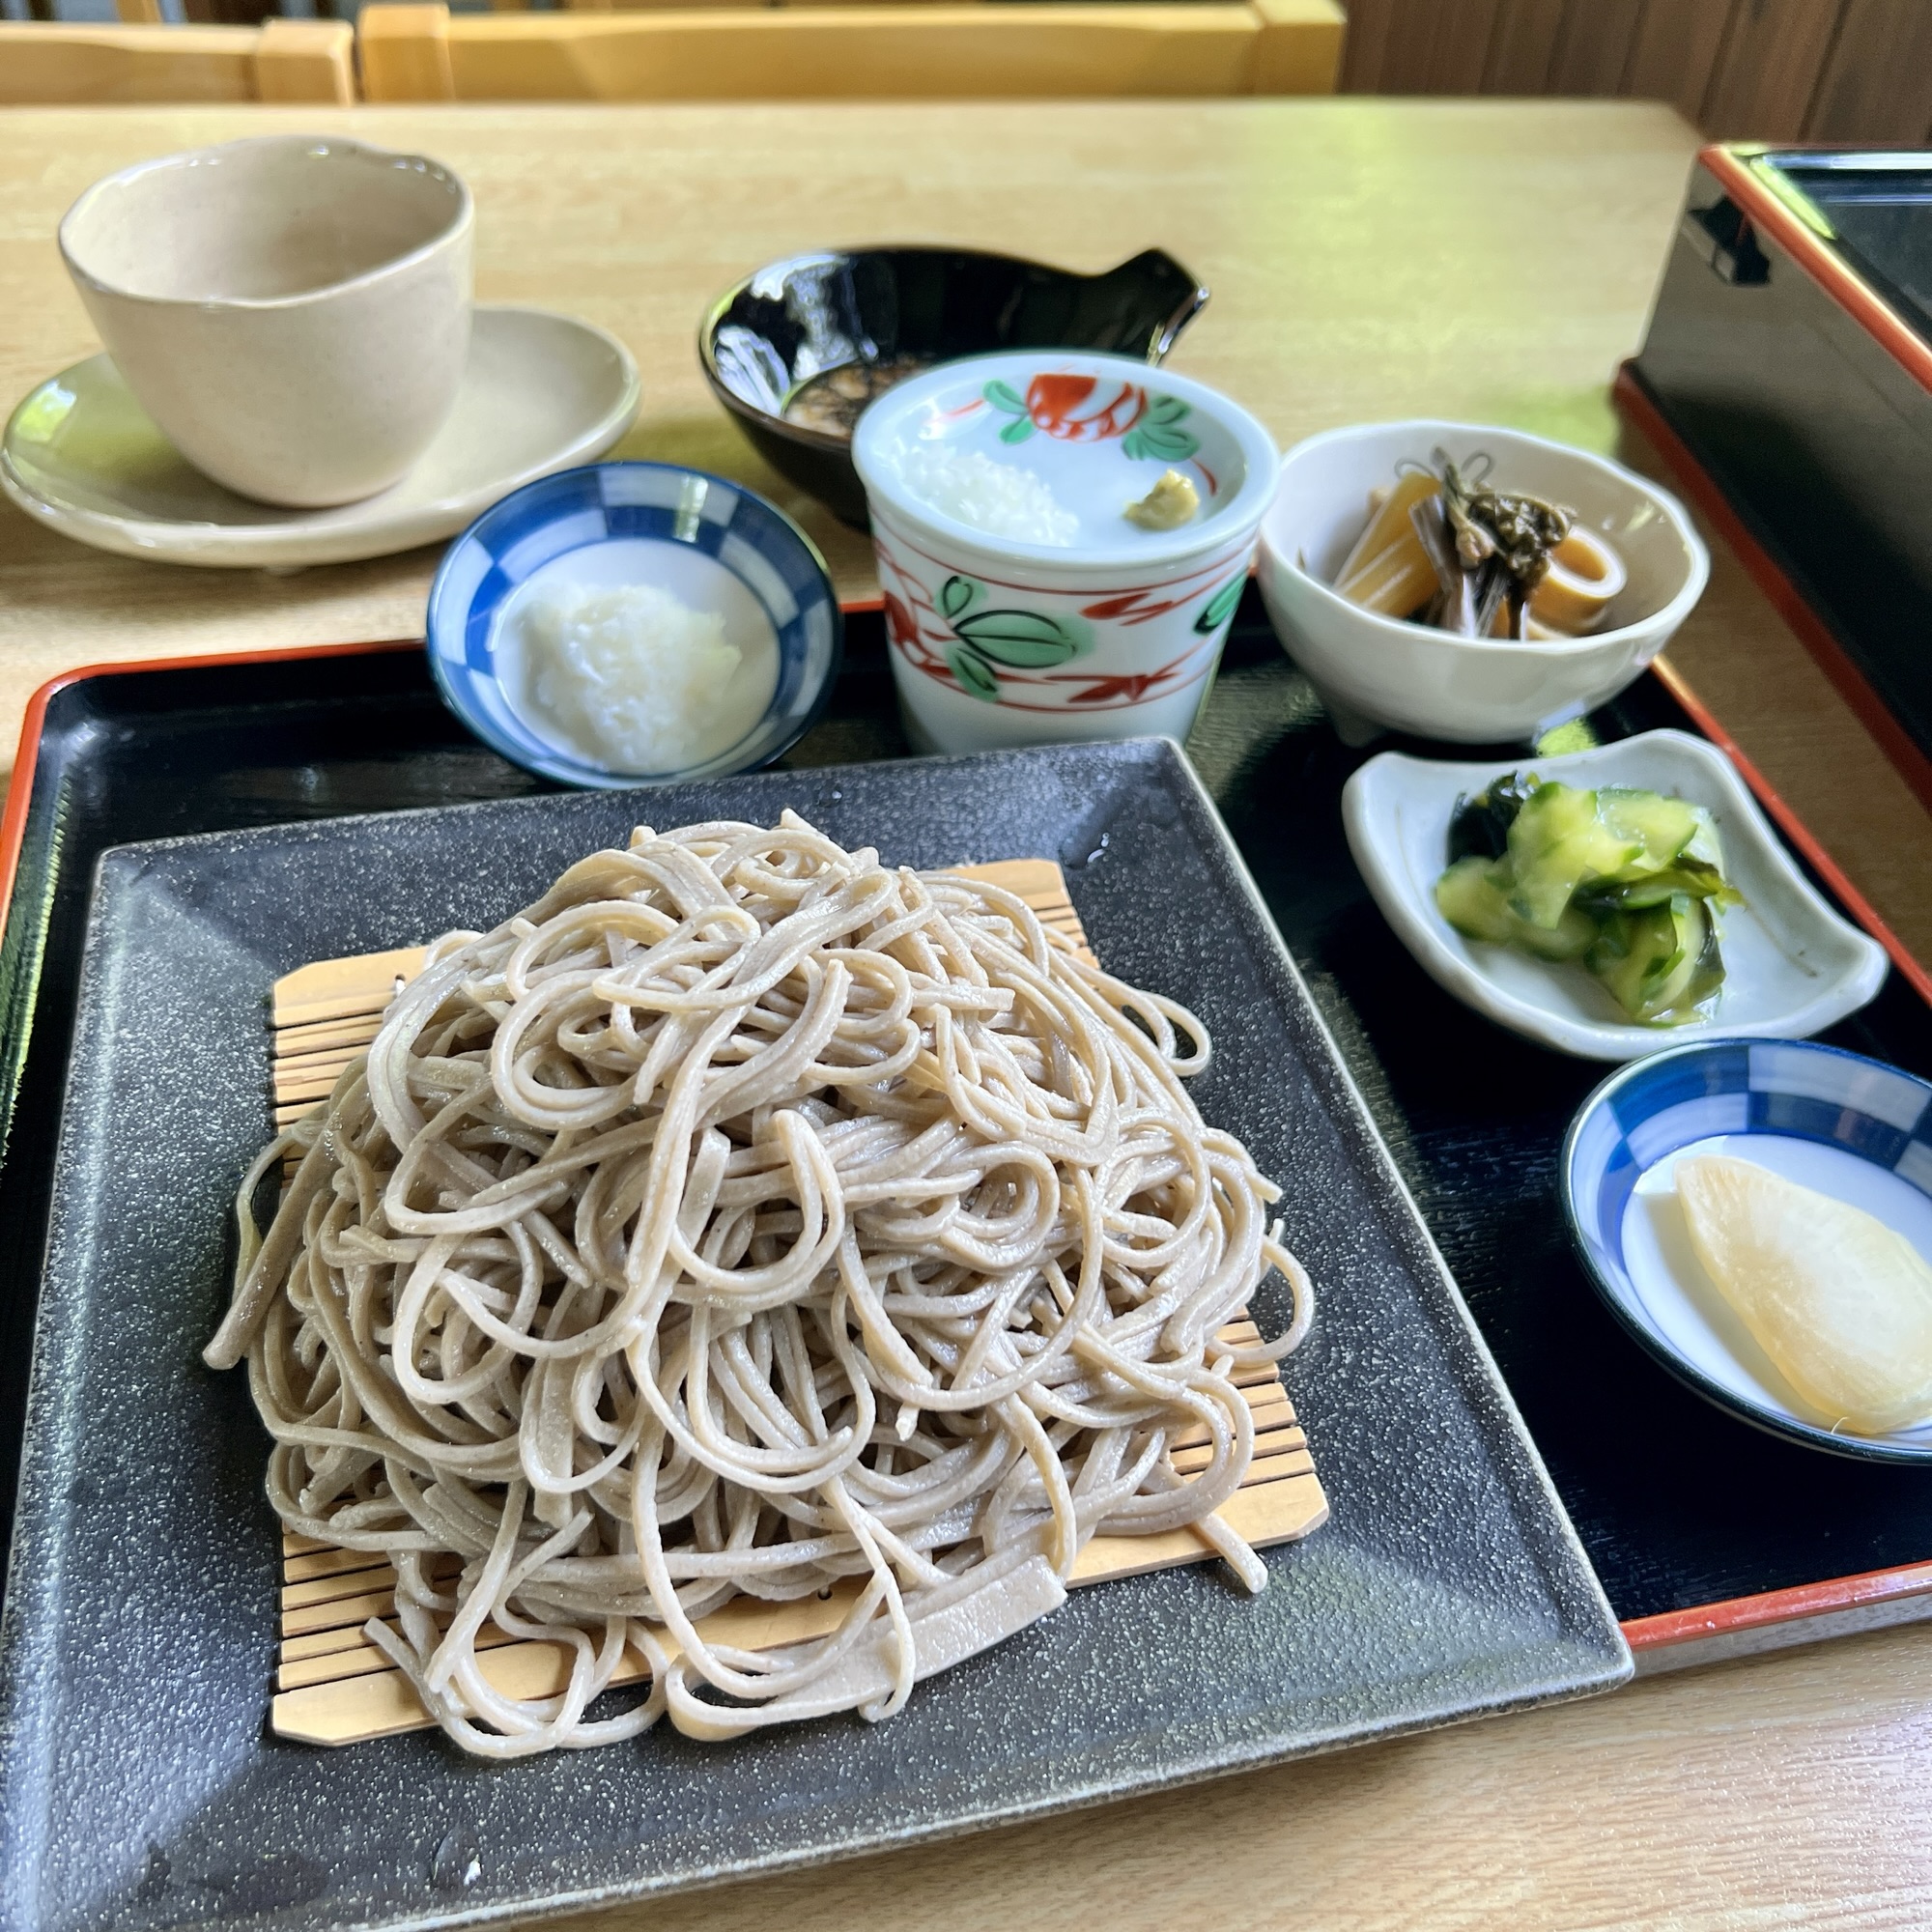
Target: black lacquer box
x=1788, y=375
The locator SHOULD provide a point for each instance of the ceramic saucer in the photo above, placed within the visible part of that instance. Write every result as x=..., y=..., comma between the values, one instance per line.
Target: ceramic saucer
x=540, y=392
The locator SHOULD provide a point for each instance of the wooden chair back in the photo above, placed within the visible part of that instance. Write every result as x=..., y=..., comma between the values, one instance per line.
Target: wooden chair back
x=988, y=50
x=53, y=64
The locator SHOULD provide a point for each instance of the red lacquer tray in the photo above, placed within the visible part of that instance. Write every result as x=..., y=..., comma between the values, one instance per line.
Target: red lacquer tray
x=127, y=753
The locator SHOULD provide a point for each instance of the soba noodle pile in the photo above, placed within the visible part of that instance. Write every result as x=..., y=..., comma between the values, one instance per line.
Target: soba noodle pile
x=748, y=1220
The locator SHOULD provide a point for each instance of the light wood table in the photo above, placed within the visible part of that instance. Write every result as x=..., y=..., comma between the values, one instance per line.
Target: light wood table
x=1492, y=261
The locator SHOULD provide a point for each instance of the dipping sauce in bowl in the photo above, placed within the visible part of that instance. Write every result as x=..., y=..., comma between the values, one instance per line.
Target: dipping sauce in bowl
x=832, y=403
x=634, y=622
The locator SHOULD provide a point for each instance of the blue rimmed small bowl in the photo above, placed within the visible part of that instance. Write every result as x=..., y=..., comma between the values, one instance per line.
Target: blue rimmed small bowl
x=710, y=542
x=1834, y=1122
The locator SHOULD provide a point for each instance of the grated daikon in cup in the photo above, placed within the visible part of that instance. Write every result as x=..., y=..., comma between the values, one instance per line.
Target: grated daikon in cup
x=1000, y=498
x=628, y=676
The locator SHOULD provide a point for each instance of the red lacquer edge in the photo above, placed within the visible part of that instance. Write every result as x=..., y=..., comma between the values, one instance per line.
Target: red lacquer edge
x=1811, y=630
x=1833, y=1593
x=1779, y=1606
x=20, y=781
x=1797, y=831
x=1821, y=262
x=1739, y=1613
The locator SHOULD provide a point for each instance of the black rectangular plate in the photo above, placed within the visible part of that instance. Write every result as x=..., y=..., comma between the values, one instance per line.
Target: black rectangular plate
x=139, y=1633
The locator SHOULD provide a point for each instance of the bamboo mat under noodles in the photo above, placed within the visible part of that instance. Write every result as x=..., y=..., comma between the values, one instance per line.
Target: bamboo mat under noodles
x=334, y=1686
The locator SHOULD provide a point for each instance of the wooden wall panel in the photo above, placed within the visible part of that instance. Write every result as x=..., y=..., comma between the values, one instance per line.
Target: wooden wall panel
x=1524, y=46
x=1851, y=70
x=1768, y=71
x=1877, y=86
x=1365, y=50
x=1593, y=50
x=1442, y=49
x=1676, y=53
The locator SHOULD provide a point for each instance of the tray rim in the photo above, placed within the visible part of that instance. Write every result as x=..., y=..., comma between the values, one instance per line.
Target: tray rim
x=1633, y=396
x=1650, y=1637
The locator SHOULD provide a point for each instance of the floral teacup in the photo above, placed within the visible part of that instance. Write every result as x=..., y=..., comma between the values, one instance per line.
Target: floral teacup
x=1023, y=602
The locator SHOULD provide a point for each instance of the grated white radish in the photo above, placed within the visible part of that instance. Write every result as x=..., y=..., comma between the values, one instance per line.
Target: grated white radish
x=1000, y=498
x=625, y=675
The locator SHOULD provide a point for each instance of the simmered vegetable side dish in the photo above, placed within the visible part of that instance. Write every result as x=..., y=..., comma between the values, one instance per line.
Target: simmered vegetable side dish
x=1442, y=546
x=1628, y=883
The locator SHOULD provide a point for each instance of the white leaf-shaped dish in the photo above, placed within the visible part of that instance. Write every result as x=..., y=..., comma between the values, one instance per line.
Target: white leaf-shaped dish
x=1793, y=966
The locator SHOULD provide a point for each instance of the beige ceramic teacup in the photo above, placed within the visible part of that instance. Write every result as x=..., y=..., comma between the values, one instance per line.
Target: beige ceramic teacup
x=293, y=310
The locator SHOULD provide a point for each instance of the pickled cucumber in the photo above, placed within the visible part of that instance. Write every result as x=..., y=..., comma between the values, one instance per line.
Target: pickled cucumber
x=1627, y=883
x=1562, y=839
x=1478, y=905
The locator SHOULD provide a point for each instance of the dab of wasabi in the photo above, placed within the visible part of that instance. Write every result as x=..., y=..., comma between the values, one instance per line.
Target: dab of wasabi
x=1172, y=501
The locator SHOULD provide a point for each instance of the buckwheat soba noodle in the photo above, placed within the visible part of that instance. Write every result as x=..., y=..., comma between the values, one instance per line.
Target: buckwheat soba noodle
x=749, y=1220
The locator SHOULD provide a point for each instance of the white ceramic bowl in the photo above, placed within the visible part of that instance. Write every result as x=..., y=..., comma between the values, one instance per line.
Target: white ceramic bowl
x=1373, y=670
x=292, y=310
x=1791, y=966
x=997, y=641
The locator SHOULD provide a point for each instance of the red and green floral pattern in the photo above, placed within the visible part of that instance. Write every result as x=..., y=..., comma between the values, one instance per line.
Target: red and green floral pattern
x=1090, y=409
x=1007, y=654
x=989, y=640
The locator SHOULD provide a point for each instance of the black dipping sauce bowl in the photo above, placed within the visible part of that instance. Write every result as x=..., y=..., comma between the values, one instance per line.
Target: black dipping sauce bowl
x=882, y=312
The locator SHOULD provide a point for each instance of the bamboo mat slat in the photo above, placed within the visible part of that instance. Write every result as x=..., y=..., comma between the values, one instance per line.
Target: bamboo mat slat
x=334, y=1687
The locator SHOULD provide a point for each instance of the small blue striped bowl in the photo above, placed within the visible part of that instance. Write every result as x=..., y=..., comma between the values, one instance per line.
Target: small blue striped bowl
x=1831, y=1121
x=705, y=539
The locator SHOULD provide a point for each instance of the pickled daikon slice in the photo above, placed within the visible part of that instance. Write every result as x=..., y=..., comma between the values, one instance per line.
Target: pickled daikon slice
x=1841, y=1303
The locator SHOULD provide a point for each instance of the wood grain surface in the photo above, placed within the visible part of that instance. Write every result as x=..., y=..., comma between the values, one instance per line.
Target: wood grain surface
x=45, y=62
x=1743, y=1798
x=1878, y=84
x=420, y=52
x=1853, y=70
x=1368, y=258
x=1490, y=260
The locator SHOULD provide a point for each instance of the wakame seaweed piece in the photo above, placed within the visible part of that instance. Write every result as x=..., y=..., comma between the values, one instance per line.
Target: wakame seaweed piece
x=1682, y=852
x=1479, y=826
x=1707, y=976
x=1695, y=876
